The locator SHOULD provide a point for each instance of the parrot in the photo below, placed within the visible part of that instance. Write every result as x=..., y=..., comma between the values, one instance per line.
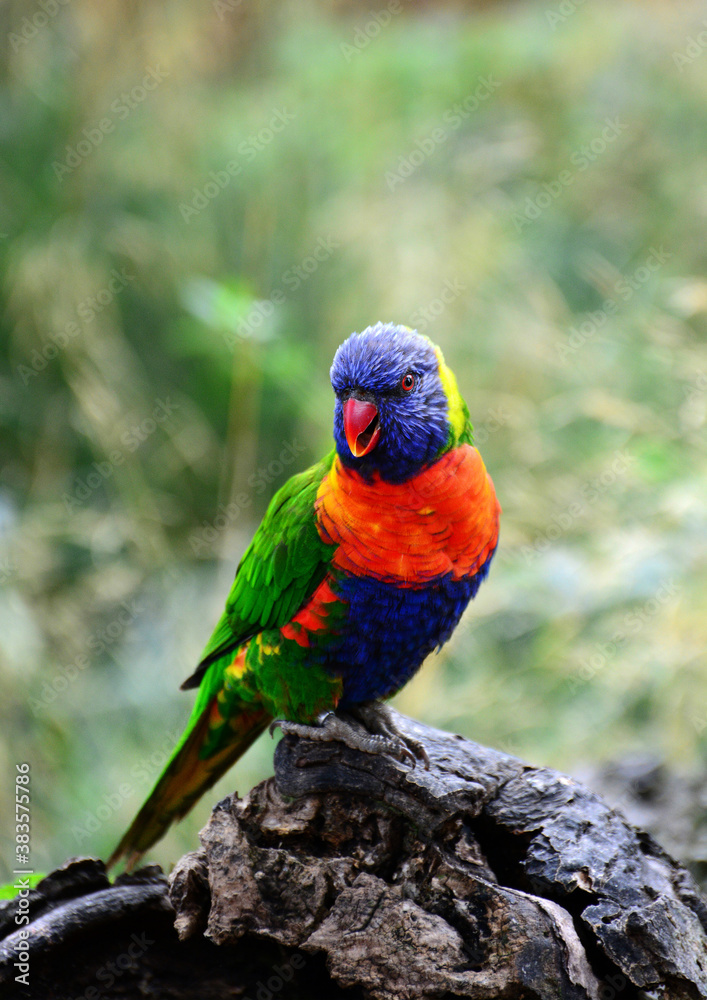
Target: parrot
x=362, y=565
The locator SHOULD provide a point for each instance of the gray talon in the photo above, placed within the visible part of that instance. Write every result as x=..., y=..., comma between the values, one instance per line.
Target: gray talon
x=369, y=729
x=377, y=717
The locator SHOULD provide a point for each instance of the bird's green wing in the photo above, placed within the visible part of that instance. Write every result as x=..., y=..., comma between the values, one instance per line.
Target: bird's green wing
x=281, y=568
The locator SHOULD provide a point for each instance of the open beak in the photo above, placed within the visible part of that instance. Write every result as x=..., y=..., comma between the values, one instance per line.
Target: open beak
x=361, y=426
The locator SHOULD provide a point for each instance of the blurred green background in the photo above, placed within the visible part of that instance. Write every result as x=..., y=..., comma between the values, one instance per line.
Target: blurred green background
x=199, y=202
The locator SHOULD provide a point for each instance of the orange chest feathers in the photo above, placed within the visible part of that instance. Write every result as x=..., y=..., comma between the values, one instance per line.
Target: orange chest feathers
x=444, y=520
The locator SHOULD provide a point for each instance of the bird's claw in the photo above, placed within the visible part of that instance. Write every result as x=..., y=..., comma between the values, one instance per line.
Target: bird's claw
x=378, y=718
x=305, y=732
x=371, y=730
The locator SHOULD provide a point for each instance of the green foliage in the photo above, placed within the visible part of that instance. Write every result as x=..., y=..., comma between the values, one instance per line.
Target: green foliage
x=10, y=890
x=527, y=189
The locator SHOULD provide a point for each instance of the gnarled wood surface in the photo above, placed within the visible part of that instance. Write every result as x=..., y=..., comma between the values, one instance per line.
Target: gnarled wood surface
x=352, y=876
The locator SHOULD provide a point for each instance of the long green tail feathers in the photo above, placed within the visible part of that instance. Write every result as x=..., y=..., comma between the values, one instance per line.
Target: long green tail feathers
x=186, y=777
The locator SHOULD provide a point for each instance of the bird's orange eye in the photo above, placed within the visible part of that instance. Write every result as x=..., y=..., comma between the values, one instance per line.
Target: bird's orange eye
x=408, y=382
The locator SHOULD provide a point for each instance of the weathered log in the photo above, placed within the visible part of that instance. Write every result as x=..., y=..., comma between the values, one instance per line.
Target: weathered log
x=351, y=875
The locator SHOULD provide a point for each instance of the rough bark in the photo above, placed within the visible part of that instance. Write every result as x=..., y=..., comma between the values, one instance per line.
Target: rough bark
x=352, y=876
x=669, y=804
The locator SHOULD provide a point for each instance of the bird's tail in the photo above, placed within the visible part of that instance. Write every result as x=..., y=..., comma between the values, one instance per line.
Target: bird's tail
x=209, y=746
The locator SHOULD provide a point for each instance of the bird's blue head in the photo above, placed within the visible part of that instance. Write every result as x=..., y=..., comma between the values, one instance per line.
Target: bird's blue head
x=398, y=407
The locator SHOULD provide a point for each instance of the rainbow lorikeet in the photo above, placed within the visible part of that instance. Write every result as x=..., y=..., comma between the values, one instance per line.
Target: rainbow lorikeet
x=361, y=566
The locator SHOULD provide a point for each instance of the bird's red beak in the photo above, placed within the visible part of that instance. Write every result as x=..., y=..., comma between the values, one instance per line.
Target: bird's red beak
x=361, y=426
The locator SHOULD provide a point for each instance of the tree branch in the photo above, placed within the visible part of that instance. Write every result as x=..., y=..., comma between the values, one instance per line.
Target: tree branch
x=483, y=877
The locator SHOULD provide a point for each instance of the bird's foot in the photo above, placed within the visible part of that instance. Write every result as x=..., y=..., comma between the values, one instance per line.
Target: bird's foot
x=378, y=719
x=369, y=728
